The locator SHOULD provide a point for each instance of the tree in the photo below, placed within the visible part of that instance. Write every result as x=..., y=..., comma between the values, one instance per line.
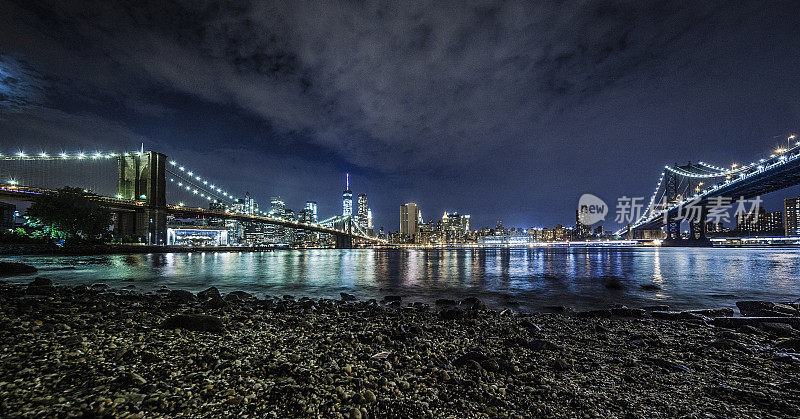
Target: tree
x=70, y=214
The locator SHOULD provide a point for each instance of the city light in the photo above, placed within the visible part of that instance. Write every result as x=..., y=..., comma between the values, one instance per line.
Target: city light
x=12, y=182
x=21, y=155
x=43, y=154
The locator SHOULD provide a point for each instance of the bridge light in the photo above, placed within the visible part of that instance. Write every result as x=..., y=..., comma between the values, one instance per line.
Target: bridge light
x=119, y=196
x=197, y=177
x=182, y=169
x=42, y=154
x=12, y=182
x=81, y=156
x=188, y=188
x=173, y=162
x=21, y=154
x=205, y=182
x=180, y=204
x=63, y=155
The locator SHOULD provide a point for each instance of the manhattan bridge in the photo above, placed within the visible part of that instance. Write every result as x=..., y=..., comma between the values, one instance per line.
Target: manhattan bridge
x=144, y=189
x=701, y=186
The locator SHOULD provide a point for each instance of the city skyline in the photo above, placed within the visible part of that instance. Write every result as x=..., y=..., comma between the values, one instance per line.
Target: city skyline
x=566, y=109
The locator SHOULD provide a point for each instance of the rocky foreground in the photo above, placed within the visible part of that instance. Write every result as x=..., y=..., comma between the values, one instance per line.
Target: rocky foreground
x=97, y=352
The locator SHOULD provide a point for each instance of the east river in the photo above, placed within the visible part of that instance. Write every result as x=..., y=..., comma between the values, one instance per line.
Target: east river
x=524, y=279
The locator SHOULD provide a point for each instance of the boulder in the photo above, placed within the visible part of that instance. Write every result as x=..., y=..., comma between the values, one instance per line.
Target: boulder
x=717, y=312
x=209, y=293
x=238, y=296
x=452, y=314
x=15, y=268
x=348, y=297
x=629, y=312
x=214, y=303
x=780, y=329
x=737, y=322
x=658, y=307
x=595, y=314
x=445, y=302
x=181, y=296
x=765, y=309
x=196, y=322
x=40, y=286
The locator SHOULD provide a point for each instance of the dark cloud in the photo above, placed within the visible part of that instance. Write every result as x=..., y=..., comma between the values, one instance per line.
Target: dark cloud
x=432, y=101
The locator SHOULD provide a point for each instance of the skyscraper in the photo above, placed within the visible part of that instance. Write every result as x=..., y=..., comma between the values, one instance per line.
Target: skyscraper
x=791, y=211
x=347, y=198
x=311, y=206
x=363, y=216
x=409, y=216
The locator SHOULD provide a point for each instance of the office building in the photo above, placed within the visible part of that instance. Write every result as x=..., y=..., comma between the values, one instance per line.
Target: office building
x=409, y=219
x=347, y=198
x=762, y=222
x=311, y=207
x=791, y=211
x=363, y=209
x=455, y=227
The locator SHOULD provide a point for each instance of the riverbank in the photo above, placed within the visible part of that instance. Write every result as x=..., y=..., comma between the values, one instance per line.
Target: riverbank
x=115, y=249
x=96, y=351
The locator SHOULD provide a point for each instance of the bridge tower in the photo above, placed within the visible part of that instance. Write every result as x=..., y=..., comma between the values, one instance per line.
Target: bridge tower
x=142, y=177
x=672, y=226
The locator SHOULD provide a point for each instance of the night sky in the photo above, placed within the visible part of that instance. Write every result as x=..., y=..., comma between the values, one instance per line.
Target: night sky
x=505, y=110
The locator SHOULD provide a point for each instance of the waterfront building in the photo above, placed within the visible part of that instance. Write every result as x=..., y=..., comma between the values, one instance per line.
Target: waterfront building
x=455, y=227
x=347, y=198
x=369, y=219
x=791, y=210
x=179, y=235
x=762, y=222
x=247, y=205
x=311, y=206
x=363, y=217
x=409, y=221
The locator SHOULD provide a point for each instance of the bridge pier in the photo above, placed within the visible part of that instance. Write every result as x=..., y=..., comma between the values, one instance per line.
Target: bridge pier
x=142, y=177
x=344, y=241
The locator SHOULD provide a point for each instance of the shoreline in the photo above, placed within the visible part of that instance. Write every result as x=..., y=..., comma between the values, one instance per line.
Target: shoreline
x=97, y=351
x=11, y=250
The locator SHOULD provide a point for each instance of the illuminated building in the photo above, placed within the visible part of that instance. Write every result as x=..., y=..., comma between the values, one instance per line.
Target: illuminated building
x=347, y=198
x=764, y=222
x=363, y=217
x=792, y=213
x=409, y=219
x=455, y=227
x=197, y=236
x=311, y=206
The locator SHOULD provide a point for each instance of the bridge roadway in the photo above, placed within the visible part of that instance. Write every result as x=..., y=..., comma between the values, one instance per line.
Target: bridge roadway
x=771, y=175
x=30, y=194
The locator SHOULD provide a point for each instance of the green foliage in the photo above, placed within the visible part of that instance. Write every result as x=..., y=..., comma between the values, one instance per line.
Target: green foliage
x=69, y=215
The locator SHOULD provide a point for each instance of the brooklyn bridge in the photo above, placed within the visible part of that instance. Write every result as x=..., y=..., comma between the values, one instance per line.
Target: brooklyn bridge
x=149, y=189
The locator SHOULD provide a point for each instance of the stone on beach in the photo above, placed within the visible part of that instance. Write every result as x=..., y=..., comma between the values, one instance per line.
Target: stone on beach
x=181, y=296
x=209, y=293
x=40, y=286
x=765, y=309
x=16, y=268
x=195, y=322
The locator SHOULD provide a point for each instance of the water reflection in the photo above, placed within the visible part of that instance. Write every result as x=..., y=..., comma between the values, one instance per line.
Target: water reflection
x=538, y=277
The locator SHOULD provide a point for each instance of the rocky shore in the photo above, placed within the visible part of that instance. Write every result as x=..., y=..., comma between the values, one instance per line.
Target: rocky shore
x=93, y=351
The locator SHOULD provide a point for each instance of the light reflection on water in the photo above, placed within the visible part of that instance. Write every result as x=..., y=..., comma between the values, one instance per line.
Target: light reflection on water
x=533, y=278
